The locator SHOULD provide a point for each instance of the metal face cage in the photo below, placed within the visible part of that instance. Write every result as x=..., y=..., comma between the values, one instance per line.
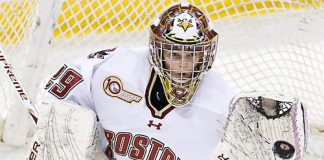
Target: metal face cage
x=181, y=67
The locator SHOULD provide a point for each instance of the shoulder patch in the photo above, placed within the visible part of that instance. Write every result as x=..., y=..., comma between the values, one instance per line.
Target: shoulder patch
x=101, y=54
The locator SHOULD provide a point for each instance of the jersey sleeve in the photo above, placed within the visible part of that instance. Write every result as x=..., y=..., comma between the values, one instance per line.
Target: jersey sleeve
x=72, y=82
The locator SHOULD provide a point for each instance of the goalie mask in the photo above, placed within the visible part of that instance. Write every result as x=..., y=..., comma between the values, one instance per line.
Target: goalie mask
x=183, y=47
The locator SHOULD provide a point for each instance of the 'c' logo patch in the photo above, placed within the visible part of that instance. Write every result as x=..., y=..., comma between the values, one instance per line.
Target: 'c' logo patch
x=113, y=87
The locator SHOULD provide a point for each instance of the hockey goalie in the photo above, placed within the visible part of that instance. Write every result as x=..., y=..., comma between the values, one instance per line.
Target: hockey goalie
x=152, y=102
x=264, y=126
x=164, y=102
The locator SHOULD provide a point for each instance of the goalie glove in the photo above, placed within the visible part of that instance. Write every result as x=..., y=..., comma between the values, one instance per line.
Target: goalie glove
x=264, y=126
x=64, y=131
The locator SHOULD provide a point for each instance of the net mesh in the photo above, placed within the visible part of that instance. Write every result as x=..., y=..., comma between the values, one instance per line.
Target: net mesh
x=264, y=45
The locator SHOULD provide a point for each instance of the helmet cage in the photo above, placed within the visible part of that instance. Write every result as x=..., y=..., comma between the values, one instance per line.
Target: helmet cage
x=200, y=56
x=180, y=88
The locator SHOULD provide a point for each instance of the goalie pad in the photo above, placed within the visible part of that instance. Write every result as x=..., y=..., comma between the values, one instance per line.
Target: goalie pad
x=264, y=126
x=64, y=132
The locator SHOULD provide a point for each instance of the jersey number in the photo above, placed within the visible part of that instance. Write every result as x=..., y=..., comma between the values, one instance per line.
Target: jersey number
x=69, y=78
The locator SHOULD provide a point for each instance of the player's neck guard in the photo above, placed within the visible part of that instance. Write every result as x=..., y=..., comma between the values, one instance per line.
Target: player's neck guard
x=155, y=98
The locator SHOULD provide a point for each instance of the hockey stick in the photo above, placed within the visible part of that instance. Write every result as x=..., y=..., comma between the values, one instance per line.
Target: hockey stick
x=22, y=94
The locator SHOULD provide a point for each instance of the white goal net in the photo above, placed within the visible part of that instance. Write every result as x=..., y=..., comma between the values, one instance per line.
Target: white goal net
x=264, y=45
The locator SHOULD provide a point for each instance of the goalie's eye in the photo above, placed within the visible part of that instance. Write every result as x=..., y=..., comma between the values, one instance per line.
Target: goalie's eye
x=176, y=54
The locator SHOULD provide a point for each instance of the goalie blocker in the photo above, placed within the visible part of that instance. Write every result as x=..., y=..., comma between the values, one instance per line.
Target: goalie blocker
x=64, y=131
x=264, y=126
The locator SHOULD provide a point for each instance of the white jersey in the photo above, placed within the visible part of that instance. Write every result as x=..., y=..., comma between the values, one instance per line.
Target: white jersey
x=117, y=84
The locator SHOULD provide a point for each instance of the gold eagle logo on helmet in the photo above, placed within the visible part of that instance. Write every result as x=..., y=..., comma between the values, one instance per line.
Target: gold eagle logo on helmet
x=185, y=24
